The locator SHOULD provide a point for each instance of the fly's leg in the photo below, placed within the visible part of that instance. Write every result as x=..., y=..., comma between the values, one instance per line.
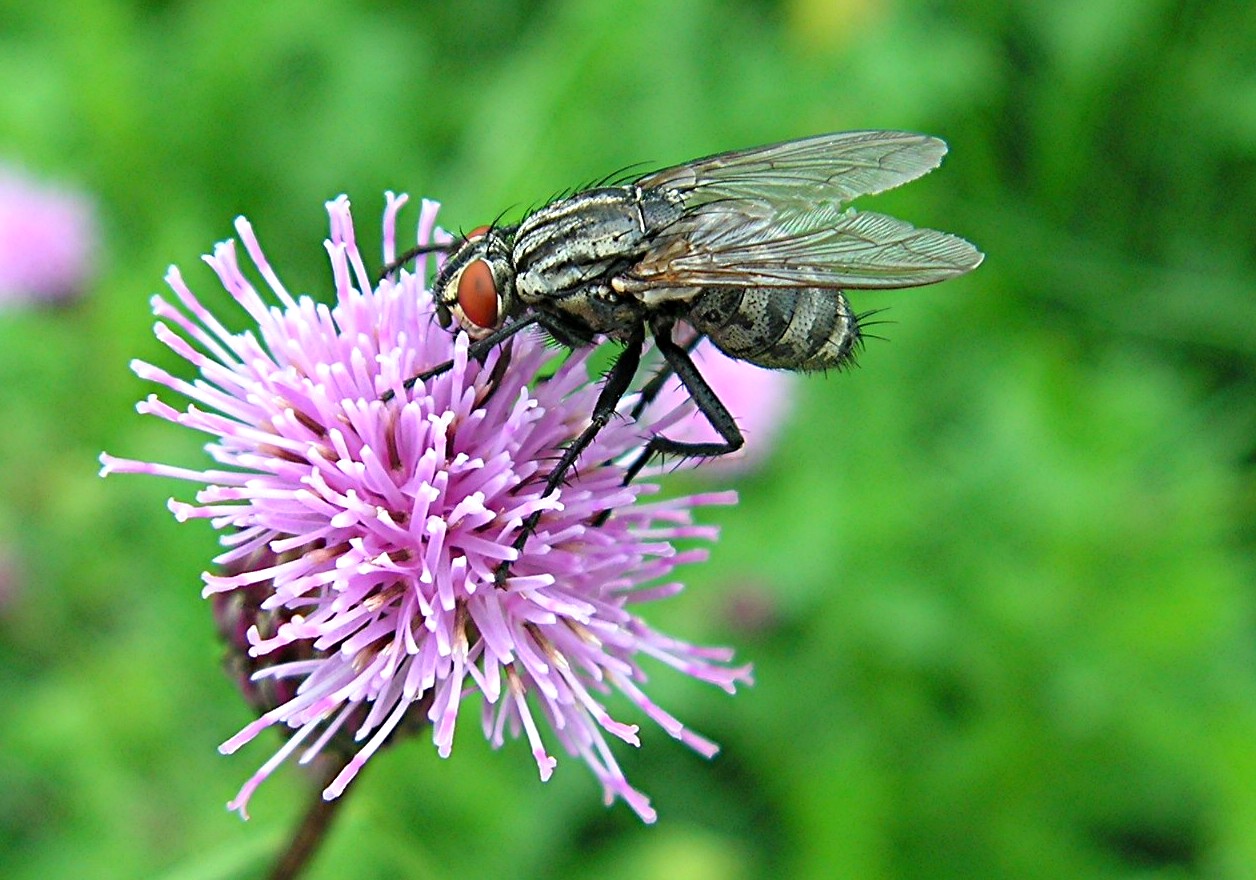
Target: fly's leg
x=651, y=390
x=704, y=398
x=618, y=379
x=417, y=251
x=477, y=350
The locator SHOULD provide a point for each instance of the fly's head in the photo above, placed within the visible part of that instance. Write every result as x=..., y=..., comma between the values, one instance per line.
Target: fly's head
x=476, y=286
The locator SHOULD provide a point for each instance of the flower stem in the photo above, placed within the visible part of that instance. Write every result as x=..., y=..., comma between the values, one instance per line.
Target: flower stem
x=314, y=826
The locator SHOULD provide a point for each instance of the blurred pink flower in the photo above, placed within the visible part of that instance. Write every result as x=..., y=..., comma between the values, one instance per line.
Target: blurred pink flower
x=48, y=240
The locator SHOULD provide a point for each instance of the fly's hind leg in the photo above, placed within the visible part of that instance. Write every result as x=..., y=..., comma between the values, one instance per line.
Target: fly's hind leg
x=651, y=390
x=649, y=393
x=681, y=364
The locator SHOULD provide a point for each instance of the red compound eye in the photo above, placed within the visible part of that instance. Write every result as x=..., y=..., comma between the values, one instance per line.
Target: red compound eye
x=478, y=232
x=477, y=294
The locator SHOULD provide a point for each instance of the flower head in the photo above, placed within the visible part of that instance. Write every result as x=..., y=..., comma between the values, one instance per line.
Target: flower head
x=47, y=240
x=363, y=530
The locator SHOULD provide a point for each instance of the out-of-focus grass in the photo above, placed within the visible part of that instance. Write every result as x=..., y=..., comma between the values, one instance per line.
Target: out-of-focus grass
x=1009, y=562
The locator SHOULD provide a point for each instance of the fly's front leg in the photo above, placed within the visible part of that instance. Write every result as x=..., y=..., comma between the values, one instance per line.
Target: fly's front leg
x=477, y=350
x=618, y=379
x=443, y=247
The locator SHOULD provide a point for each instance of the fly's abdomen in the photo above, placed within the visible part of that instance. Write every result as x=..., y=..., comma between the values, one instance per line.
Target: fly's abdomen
x=793, y=328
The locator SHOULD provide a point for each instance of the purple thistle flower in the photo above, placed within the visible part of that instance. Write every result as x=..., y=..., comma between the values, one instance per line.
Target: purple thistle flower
x=364, y=534
x=48, y=239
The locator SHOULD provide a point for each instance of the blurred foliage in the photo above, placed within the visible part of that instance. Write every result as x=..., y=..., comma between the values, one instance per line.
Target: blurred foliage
x=1004, y=574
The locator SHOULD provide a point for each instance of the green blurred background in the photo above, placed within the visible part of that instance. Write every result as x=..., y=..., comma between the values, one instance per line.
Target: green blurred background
x=1001, y=577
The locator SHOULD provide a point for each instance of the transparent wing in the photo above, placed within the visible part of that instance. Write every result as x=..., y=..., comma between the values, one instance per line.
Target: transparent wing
x=827, y=168
x=776, y=216
x=743, y=245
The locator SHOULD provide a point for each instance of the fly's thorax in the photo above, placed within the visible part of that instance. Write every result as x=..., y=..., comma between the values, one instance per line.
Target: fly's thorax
x=475, y=288
x=587, y=239
x=595, y=309
x=798, y=328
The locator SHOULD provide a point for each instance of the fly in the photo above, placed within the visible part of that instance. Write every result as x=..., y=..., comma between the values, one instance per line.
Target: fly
x=752, y=249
